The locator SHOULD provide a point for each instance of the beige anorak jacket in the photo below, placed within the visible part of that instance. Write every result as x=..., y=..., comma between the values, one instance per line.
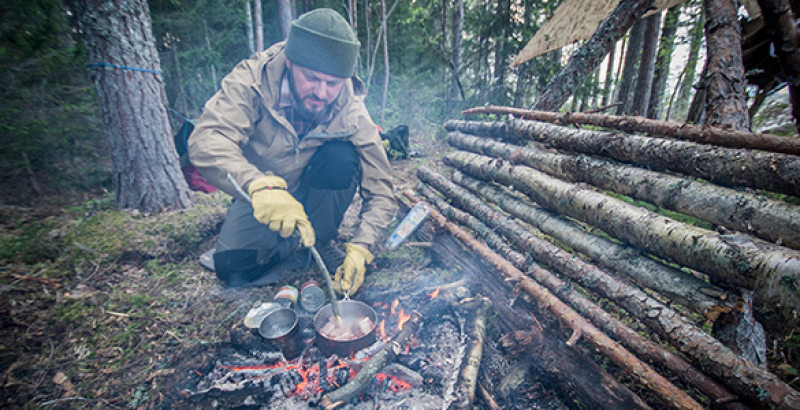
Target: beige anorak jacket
x=242, y=133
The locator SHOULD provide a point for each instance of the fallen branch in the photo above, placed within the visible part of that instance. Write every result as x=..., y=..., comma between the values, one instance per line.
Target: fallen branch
x=665, y=390
x=364, y=377
x=772, y=220
x=470, y=372
x=690, y=132
x=724, y=166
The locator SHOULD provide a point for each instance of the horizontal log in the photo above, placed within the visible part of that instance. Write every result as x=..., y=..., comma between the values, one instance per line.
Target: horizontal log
x=665, y=390
x=642, y=346
x=698, y=133
x=769, y=219
x=720, y=165
x=773, y=272
x=678, y=286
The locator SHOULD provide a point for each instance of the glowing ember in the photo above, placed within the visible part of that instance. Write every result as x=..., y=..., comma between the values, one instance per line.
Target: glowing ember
x=397, y=385
x=382, y=330
x=395, y=303
x=402, y=319
x=434, y=294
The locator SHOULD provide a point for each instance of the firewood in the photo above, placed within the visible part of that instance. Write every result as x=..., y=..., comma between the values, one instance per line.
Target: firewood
x=690, y=132
x=665, y=390
x=470, y=371
x=733, y=259
x=638, y=303
x=725, y=166
x=368, y=372
x=772, y=220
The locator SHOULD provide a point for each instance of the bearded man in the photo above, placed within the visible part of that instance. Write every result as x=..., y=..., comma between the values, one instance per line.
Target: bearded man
x=290, y=128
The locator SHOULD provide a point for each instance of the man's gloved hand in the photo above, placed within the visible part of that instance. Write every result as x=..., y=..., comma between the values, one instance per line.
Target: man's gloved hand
x=350, y=276
x=275, y=207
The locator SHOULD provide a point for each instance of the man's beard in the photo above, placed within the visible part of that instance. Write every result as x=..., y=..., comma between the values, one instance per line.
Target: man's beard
x=300, y=106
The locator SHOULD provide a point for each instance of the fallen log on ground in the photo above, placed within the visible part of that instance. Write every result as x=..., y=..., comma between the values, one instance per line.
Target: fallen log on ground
x=678, y=286
x=470, y=371
x=638, y=304
x=665, y=390
x=724, y=166
x=773, y=272
x=772, y=220
x=690, y=132
x=377, y=362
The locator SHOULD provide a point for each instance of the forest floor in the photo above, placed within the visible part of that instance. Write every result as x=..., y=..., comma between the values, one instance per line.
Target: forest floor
x=97, y=303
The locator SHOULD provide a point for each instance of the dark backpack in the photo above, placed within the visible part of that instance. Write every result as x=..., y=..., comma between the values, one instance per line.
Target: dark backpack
x=396, y=142
x=190, y=173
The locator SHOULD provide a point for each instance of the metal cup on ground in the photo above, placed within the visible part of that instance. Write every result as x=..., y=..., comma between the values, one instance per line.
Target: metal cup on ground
x=281, y=329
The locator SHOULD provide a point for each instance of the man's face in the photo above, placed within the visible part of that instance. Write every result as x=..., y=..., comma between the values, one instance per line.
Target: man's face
x=314, y=92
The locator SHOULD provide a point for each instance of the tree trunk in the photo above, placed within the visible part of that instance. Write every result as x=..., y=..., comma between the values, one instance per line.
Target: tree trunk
x=385, y=34
x=726, y=99
x=630, y=297
x=285, y=17
x=780, y=21
x=456, y=92
x=647, y=65
x=773, y=272
x=665, y=48
x=212, y=68
x=259, y=25
x=251, y=42
x=608, y=91
x=689, y=132
x=687, y=82
x=591, y=54
x=725, y=166
x=130, y=93
x=773, y=220
x=632, y=57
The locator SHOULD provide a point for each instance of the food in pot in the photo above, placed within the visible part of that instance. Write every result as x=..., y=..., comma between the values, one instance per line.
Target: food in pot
x=347, y=330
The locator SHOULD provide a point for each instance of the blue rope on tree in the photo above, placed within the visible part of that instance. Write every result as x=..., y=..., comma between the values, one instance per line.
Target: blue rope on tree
x=122, y=67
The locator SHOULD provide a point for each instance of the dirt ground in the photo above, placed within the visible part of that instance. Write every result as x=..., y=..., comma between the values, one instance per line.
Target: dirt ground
x=96, y=304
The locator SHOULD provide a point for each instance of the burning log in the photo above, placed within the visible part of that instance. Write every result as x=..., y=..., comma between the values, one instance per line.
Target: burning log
x=725, y=166
x=364, y=377
x=773, y=272
x=631, y=298
x=697, y=133
x=665, y=390
x=470, y=371
x=775, y=221
x=678, y=286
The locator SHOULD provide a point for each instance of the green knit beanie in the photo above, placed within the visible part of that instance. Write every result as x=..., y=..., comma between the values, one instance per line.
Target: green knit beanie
x=323, y=41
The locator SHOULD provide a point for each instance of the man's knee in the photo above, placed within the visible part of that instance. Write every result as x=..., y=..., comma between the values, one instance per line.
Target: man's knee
x=335, y=166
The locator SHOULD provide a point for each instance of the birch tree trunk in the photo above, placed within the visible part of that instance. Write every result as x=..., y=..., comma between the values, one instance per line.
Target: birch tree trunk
x=251, y=42
x=456, y=92
x=726, y=101
x=772, y=272
x=591, y=54
x=126, y=73
x=385, y=33
x=773, y=220
x=285, y=16
x=259, y=25
x=724, y=166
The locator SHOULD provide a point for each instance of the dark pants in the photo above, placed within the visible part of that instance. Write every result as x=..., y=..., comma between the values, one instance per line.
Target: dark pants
x=249, y=253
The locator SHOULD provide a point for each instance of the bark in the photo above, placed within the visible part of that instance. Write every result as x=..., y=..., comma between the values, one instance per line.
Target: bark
x=589, y=275
x=126, y=72
x=685, y=90
x=773, y=220
x=665, y=390
x=285, y=17
x=724, y=166
x=259, y=16
x=591, y=54
x=456, y=92
x=647, y=65
x=666, y=46
x=689, y=132
x=726, y=101
x=632, y=56
x=385, y=35
x=470, y=371
x=780, y=22
x=377, y=362
x=772, y=272
x=608, y=90
x=251, y=42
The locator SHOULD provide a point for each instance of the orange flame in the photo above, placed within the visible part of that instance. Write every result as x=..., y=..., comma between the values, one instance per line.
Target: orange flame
x=402, y=319
x=398, y=385
x=394, y=305
x=435, y=293
x=382, y=329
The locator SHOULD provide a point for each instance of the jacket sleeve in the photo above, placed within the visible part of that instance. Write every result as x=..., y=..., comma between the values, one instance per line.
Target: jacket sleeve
x=227, y=122
x=377, y=187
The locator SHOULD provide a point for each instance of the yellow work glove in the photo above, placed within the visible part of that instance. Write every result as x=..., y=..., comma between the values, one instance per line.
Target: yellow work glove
x=275, y=207
x=350, y=276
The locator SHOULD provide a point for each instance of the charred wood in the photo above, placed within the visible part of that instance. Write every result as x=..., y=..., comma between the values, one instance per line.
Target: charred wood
x=631, y=124
x=772, y=220
x=470, y=371
x=665, y=390
x=724, y=166
x=773, y=272
x=631, y=298
x=364, y=377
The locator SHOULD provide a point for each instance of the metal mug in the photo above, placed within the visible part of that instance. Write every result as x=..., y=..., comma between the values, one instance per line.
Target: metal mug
x=280, y=327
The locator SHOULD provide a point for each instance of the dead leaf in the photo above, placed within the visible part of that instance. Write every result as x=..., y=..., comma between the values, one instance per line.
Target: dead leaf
x=60, y=378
